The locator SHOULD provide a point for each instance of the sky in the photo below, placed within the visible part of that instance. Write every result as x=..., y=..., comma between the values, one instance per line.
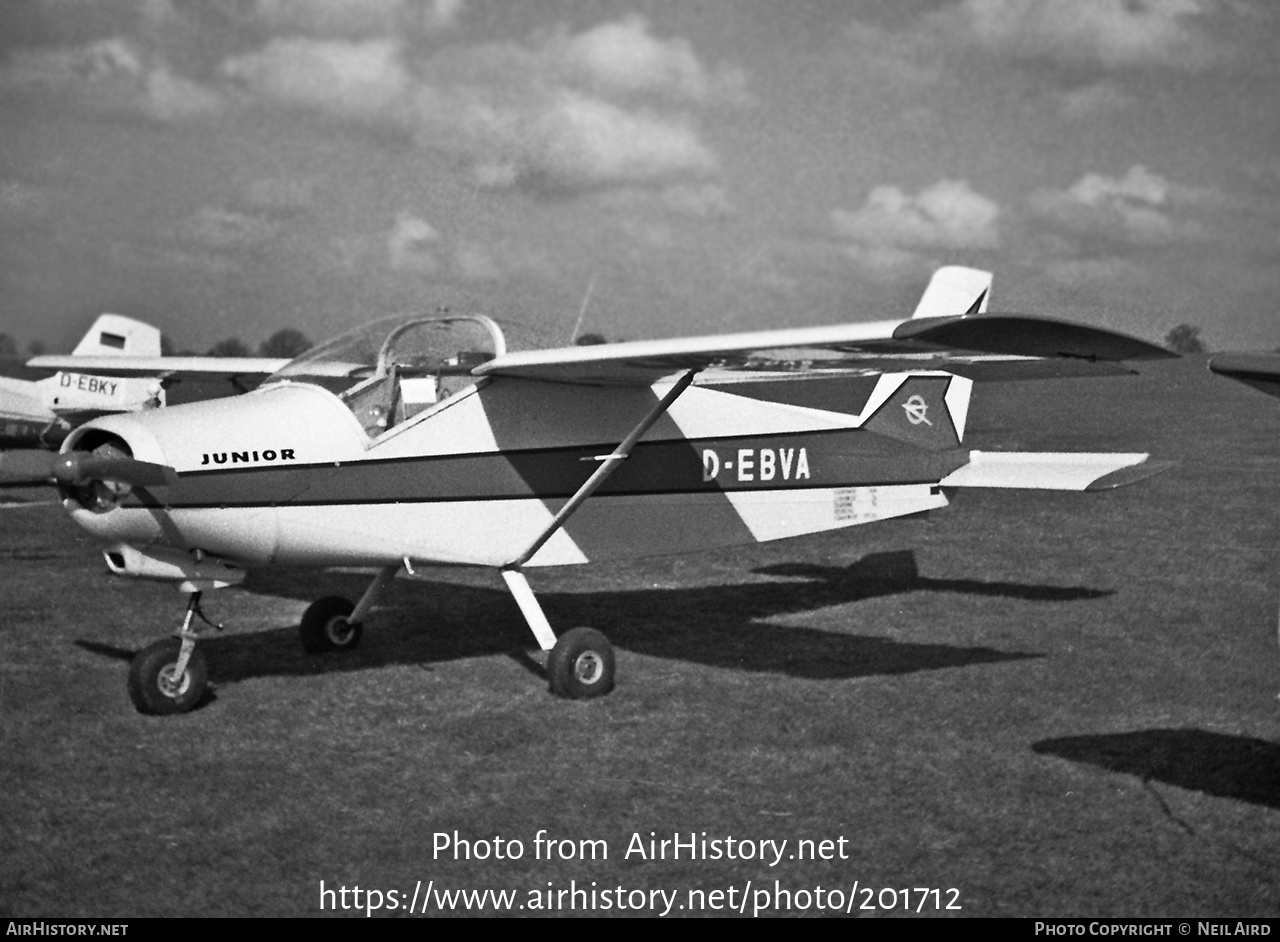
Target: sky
x=635, y=168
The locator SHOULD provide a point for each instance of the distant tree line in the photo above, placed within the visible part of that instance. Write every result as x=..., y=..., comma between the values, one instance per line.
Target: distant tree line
x=9, y=347
x=1184, y=339
x=283, y=344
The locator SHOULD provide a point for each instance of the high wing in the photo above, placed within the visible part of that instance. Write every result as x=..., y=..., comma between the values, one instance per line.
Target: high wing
x=978, y=346
x=159, y=366
x=1259, y=370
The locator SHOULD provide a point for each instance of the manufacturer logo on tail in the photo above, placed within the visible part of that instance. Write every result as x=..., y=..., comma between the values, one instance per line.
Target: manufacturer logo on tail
x=925, y=410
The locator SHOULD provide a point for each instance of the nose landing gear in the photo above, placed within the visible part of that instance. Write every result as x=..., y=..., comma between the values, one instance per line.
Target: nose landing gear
x=171, y=676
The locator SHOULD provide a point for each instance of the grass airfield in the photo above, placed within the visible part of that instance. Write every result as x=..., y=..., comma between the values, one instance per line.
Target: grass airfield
x=1057, y=704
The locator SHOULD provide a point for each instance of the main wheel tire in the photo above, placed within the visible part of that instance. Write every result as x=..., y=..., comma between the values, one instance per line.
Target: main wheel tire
x=154, y=687
x=326, y=626
x=581, y=665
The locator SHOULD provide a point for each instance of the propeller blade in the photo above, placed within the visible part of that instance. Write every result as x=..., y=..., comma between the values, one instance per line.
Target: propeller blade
x=79, y=467
x=23, y=466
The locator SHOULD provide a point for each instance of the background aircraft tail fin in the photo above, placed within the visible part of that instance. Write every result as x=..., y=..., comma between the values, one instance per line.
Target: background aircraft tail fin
x=117, y=335
x=923, y=409
x=955, y=290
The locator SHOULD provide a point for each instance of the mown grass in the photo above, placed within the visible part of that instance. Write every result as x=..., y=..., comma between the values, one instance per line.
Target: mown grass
x=1058, y=704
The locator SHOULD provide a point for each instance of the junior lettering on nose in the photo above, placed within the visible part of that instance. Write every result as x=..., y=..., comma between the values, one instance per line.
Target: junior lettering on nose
x=247, y=457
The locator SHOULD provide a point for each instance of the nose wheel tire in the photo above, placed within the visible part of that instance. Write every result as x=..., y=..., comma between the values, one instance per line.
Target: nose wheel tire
x=157, y=689
x=581, y=665
x=326, y=626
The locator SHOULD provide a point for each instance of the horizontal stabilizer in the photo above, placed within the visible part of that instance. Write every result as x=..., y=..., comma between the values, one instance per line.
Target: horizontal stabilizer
x=1053, y=471
x=1259, y=370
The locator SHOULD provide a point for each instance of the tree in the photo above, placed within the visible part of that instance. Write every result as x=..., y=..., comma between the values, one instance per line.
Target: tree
x=8, y=346
x=37, y=348
x=1184, y=339
x=287, y=343
x=168, y=349
x=231, y=347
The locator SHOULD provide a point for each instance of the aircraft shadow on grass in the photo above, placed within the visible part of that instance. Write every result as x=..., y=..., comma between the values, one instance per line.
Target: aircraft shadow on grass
x=721, y=626
x=1224, y=766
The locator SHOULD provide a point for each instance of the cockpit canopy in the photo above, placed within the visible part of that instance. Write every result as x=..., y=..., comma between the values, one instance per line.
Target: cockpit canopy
x=392, y=369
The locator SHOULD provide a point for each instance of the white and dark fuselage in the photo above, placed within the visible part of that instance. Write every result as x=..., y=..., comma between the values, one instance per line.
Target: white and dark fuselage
x=290, y=474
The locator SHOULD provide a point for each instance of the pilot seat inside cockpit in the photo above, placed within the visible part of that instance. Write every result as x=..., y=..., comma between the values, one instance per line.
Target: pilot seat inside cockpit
x=422, y=362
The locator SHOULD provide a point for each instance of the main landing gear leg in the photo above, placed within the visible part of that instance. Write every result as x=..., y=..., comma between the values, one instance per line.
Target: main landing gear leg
x=171, y=676
x=580, y=663
x=332, y=623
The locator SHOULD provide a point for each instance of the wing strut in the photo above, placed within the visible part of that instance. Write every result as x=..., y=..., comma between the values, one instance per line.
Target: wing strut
x=608, y=465
x=580, y=663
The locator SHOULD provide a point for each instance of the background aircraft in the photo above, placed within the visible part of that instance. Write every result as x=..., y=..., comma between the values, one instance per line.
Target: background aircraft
x=445, y=449
x=38, y=413
x=117, y=367
x=43, y=411
x=1259, y=370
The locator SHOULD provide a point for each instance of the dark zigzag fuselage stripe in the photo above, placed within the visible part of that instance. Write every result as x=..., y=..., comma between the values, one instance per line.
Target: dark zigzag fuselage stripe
x=846, y=457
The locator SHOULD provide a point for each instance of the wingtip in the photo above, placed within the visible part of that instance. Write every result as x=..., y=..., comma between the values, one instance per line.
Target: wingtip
x=1130, y=475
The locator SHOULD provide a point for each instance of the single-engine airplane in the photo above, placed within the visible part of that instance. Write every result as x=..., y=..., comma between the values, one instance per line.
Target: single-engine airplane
x=422, y=441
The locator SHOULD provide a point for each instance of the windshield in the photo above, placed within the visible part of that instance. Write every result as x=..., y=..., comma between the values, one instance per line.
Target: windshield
x=392, y=369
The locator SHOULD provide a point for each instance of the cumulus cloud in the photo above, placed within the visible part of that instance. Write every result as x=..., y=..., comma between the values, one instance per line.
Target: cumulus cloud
x=354, y=18
x=1092, y=100
x=114, y=73
x=411, y=244
x=624, y=57
x=580, y=140
x=355, y=79
x=1112, y=32
x=1140, y=207
x=559, y=139
x=261, y=215
x=475, y=263
x=947, y=215
x=613, y=105
x=282, y=196
x=226, y=230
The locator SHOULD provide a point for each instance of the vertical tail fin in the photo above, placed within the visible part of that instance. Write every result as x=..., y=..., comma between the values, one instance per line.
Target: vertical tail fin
x=955, y=290
x=117, y=335
x=927, y=410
